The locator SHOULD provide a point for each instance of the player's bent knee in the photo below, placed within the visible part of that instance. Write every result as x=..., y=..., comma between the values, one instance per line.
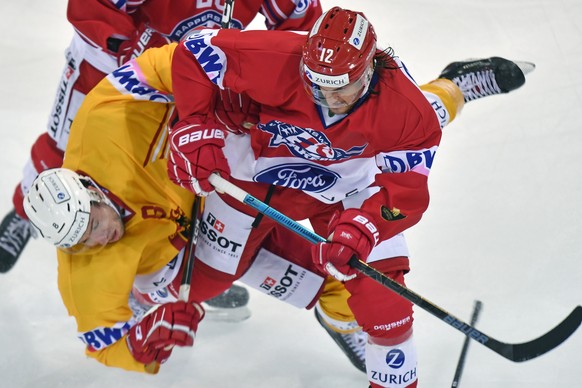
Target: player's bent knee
x=381, y=312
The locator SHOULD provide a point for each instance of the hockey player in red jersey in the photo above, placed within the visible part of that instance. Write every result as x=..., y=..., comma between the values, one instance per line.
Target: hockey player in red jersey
x=226, y=229
x=107, y=33
x=352, y=155
x=122, y=234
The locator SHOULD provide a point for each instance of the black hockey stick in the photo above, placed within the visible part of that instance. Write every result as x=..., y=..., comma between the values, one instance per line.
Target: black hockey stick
x=514, y=352
x=184, y=292
x=190, y=251
x=189, y=255
x=227, y=13
x=463, y=356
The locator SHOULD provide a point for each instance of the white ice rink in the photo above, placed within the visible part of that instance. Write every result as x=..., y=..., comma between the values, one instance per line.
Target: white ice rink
x=504, y=225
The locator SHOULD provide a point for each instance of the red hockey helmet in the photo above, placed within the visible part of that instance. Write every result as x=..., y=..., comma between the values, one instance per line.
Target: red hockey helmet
x=339, y=52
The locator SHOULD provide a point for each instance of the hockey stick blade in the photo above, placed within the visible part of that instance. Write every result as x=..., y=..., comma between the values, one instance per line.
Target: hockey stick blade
x=534, y=348
x=514, y=352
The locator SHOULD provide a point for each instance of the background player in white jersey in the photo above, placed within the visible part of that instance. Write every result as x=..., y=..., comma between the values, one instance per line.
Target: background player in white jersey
x=107, y=33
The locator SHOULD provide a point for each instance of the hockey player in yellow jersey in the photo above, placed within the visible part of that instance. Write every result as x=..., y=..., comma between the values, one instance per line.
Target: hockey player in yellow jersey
x=128, y=221
x=125, y=162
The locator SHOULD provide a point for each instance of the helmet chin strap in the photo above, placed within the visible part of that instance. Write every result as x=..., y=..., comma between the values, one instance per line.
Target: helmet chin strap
x=97, y=195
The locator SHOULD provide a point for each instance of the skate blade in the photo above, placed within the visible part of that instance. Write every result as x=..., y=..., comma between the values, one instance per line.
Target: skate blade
x=236, y=314
x=525, y=67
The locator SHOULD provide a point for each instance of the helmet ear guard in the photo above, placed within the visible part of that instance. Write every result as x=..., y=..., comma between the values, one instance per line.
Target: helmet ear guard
x=58, y=205
x=339, y=51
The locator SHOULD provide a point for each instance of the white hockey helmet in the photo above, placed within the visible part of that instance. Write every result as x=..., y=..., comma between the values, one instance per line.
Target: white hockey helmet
x=58, y=206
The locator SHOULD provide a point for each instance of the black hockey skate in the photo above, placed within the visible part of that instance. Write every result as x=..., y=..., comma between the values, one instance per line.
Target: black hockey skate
x=353, y=344
x=486, y=77
x=230, y=306
x=15, y=232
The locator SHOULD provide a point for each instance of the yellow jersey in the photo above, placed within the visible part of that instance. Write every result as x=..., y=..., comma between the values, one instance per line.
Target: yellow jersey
x=119, y=139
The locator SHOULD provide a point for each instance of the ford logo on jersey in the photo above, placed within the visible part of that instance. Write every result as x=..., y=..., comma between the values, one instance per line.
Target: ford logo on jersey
x=306, y=143
x=300, y=176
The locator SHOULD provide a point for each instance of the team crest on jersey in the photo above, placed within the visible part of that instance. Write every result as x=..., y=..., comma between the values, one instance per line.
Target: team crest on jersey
x=127, y=81
x=301, y=6
x=209, y=19
x=306, y=143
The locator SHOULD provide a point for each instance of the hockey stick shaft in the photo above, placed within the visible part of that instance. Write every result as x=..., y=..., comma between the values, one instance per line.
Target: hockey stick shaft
x=189, y=254
x=463, y=356
x=227, y=14
x=190, y=251
x=514, y=352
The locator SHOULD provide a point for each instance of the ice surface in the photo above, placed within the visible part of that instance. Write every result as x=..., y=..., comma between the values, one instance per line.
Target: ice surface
x=504, y=224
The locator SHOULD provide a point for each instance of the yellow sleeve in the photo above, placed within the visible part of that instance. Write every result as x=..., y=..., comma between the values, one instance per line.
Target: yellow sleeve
x=119, y=356
x=450, y=95
x=95, y=288
x=156, y=64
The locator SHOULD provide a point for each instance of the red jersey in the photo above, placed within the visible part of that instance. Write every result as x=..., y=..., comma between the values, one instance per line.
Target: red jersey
x=376, y=158
x=97, y=20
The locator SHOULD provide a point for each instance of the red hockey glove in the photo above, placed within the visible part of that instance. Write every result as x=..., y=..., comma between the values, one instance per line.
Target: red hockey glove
x=195, y=153
x=236, y=111
x=352, y=233
x=171, y=324
x=142, y=39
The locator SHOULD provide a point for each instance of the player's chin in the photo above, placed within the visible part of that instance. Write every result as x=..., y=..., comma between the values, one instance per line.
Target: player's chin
x=117, y=233
x=340, y=109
